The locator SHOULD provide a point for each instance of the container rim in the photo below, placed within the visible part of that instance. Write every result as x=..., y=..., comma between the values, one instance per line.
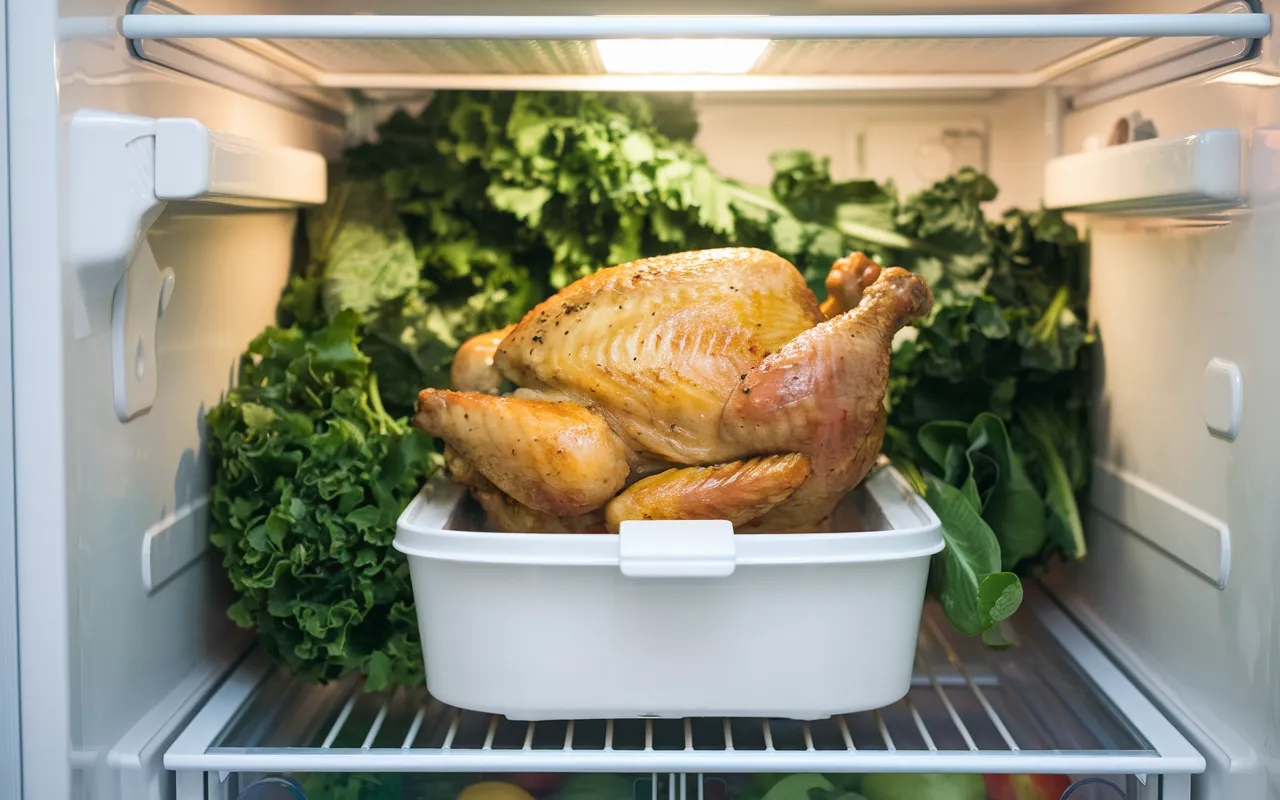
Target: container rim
x=914, y=532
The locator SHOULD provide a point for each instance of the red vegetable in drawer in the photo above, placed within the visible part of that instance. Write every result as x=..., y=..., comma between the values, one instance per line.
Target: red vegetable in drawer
x=536, y=782
x=1026, y=787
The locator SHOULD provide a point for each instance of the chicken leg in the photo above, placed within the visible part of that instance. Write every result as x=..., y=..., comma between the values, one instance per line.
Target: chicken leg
x=739, y=492
x=825, y=389
x=555, y=457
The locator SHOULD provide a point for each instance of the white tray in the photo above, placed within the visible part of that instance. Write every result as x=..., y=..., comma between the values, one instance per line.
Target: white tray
x=671, y=619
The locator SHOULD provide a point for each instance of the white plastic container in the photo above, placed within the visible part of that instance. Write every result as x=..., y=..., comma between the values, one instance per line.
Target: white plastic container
x=671, y=619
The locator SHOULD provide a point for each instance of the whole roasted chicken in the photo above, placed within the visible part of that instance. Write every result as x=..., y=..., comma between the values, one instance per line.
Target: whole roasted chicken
x=700, y=385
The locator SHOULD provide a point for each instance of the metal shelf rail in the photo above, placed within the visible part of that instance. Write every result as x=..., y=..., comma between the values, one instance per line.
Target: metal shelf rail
x=1052, y=704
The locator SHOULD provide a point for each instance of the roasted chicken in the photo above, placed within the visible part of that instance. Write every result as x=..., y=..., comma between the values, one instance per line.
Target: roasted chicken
x=699, y=385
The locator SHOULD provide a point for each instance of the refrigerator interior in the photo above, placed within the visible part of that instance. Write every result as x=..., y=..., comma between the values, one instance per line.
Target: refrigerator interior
x=1171, y=619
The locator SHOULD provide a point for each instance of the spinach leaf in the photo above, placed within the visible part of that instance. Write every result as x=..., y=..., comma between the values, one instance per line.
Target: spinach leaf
x=1014, y=510
x=971, y=557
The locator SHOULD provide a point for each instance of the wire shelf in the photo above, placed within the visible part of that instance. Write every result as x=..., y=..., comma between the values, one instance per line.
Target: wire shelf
x=1053, y=704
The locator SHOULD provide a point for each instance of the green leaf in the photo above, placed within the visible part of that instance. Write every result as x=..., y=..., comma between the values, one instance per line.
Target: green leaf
x=526, y=204
x=1015, y=510
x=923, y=786
x=361, y=255
x=363, y=518
x=596, y=786
x=257, y=417
x=970, y=555
x=1064, y=525
x=798, y=787
x=999, y=595
x=989, y=320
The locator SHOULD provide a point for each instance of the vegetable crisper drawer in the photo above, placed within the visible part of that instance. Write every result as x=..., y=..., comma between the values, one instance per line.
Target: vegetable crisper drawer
x=671, y=619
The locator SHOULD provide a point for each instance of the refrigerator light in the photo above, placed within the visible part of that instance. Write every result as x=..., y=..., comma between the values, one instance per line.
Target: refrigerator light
x=680, y=56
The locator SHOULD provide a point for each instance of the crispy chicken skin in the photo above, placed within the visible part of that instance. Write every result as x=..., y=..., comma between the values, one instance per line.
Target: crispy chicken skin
x=740, y=491
x=558, y=458
x=711, y=380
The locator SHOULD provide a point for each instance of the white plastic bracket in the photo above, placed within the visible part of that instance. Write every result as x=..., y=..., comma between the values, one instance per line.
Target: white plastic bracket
x=123, y=170
x=677, y=548
x=140, y=299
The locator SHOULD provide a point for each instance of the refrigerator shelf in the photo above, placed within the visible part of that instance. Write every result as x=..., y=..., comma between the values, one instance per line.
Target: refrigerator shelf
x=507, y=48
x=1053, y=704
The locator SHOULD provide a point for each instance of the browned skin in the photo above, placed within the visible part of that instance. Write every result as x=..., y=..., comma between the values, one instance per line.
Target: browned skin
x=692, y=359
x=740, y=491
x=558, y=458
x=473, y=369
x=657, y=345
x=848, y=279
x=823, y=394
x=505, y=513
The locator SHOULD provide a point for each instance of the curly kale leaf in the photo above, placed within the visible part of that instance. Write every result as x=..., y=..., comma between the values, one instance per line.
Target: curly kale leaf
x=311, y=476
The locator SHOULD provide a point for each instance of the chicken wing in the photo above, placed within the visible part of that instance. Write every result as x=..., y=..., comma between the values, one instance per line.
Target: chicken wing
x=739, y=492
x=557, y=458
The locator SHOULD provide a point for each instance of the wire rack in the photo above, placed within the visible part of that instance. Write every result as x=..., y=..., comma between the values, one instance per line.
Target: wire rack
x=1052, y=704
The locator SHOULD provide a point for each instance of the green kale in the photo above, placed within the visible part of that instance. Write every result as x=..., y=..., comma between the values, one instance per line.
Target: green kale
x=311, y=475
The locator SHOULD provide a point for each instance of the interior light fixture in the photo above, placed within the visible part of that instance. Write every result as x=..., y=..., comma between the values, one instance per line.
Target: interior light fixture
x=680, y=56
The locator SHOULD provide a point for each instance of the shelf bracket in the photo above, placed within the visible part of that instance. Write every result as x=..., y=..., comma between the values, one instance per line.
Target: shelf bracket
x=123, y=171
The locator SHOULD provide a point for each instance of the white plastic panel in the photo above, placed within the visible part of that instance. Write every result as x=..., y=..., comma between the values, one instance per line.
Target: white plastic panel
x=174, y=543
x=195, y=163
x=676, y=548
x=1197, y=539
x=1223, y=398
x=1159, y=176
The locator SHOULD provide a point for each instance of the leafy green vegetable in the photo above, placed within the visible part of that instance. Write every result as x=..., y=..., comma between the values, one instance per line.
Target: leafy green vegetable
x=969, y=561
x=799, y=787
x=352, y=786
x=923, y=786
x=311, y=475
x=436, y=785
x=597, y=786
x=361, y=249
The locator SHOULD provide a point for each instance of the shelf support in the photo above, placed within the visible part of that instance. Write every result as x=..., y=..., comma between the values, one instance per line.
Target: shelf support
x=123, y=171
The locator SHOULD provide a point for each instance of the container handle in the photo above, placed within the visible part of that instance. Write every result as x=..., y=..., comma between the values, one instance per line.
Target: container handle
x=702, y=548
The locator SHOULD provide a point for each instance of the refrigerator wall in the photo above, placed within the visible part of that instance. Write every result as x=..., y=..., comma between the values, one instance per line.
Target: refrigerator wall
x=1170, y=499
x=97, y=652
x=10, y=753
